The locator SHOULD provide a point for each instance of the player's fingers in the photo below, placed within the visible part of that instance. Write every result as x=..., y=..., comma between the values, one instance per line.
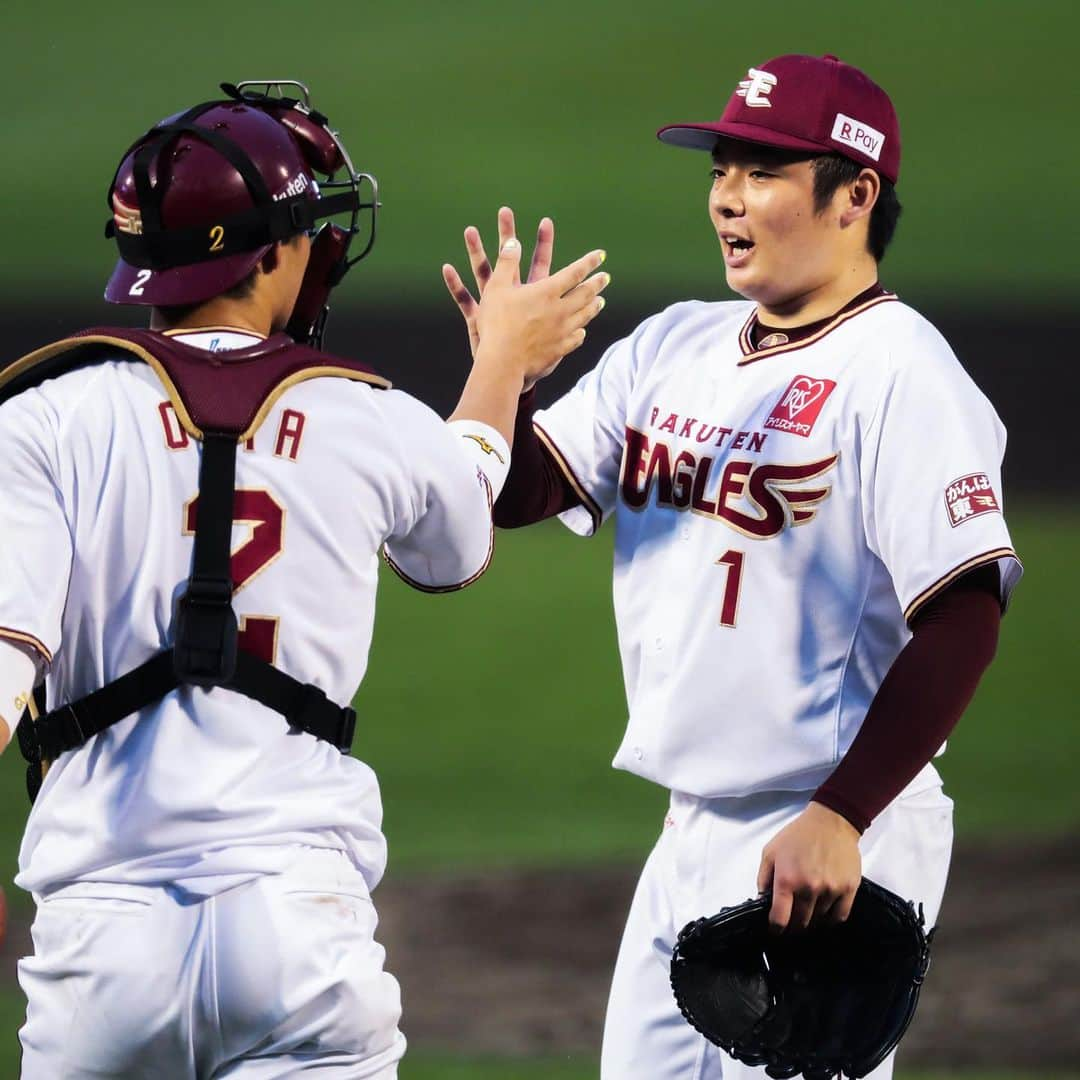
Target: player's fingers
x=540, y=266
x=828, y=910
x=765, y=873
x=585, y=314
x=574, y=341
x=509, y=264
x=803, y=903
x=478, y=259
x=587, y=292
x=459, y=291
x=569, y=277
x=780, y=912
x=822, y=904
x=507, y=232
x=841, y=908
x=507, y=228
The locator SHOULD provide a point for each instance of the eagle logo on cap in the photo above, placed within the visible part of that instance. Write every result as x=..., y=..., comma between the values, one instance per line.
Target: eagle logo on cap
x=756, y=88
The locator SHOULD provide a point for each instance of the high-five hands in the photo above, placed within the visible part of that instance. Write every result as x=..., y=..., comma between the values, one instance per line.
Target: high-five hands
x=526, y=328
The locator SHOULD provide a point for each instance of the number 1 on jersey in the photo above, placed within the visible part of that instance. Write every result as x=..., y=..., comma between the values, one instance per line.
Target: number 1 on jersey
x=733, y=560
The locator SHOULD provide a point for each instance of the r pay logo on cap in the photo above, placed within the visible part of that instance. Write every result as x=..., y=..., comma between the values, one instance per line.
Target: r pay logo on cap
x=858, y=136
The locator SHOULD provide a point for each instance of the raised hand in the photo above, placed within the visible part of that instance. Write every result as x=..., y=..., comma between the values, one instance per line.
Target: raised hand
x=539, y=268
x=526, y=329
x=520, y=332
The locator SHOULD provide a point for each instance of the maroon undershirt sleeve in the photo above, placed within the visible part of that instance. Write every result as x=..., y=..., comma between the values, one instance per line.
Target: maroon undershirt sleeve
x=535, y=487
x=920, y=700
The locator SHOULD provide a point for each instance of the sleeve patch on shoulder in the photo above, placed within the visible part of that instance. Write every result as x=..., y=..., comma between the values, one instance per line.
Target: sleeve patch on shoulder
x=968, y=497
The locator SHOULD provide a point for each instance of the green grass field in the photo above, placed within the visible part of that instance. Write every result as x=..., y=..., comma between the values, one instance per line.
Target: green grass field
x=552, y=108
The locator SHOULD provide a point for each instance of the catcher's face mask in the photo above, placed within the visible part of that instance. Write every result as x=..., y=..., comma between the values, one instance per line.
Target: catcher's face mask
x=203, y=195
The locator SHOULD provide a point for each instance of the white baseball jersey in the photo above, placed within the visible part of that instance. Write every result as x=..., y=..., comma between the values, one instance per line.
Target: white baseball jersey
x=208, y=788
x=780, y=515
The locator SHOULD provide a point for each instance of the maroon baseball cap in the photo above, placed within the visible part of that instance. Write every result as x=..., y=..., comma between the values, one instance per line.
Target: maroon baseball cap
x=817, y=104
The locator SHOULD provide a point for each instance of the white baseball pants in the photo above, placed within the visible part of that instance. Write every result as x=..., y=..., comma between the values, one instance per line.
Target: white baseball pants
x=279, y=977
x=706, y=859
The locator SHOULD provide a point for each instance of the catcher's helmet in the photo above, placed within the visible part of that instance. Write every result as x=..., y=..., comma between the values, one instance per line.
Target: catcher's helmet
x=203, y=195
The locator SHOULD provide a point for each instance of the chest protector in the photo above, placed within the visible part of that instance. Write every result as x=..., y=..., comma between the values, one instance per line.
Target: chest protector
x=220, y=399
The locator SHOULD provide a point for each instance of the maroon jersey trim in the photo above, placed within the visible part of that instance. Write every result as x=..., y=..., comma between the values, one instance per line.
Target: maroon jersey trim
x=421, y=587
x=556, y=455
x=26, y=639
x=946, y=580
x=189, y=425
x=752, y=355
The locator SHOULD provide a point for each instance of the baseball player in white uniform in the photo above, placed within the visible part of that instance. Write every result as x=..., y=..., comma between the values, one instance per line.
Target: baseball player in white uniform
x=810, y=555
x=202, y=868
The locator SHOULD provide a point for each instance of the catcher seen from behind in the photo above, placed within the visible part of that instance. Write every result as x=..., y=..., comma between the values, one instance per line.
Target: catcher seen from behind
x=834, y=999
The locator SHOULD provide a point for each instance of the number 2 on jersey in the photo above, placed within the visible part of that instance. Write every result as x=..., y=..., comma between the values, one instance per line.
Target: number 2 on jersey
x=733, y=560
x=266, y=516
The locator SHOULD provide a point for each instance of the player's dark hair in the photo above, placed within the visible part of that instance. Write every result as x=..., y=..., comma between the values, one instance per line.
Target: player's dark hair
x=175, y=313
x=831, y=172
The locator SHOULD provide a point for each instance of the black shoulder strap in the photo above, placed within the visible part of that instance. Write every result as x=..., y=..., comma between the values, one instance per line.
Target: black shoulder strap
x=204, y=652
x=204, y=649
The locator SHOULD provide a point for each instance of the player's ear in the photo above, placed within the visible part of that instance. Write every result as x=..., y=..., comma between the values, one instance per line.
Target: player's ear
x=860, y=197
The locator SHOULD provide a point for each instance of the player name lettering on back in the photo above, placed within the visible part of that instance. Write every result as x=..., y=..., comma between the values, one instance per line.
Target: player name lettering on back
x=289, y=432
x=756, y=499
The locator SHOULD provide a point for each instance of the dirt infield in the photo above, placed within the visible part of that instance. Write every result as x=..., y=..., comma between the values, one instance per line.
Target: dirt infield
x=517, y=964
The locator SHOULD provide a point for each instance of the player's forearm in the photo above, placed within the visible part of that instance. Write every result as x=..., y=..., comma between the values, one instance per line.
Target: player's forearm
x=919, y=702
x=491, y=396
x=536, y=487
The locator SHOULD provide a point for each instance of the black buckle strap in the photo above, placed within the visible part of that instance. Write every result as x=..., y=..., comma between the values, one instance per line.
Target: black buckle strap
x=313, y=712
x=205, y=646
x=70, y=726
x=206, y=635
x=303, y=705
x=59, y=731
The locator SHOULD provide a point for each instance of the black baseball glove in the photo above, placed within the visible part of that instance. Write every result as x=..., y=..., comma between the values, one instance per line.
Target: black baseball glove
x=824, y=1001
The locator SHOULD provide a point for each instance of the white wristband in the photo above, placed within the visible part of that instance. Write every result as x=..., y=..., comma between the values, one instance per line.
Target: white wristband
x=486, y=448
